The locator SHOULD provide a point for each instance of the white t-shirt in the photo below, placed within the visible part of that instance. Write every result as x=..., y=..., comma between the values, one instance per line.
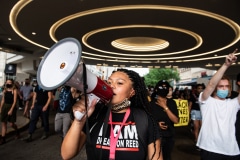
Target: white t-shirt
x=217, y=133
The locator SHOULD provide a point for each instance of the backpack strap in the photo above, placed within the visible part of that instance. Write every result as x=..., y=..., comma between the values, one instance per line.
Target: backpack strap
x=141, y=119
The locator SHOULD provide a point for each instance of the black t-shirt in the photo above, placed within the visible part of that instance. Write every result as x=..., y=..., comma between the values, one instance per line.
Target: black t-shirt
x=129, y=146
x=195, y=102
x=42, y=96
x=161, y=116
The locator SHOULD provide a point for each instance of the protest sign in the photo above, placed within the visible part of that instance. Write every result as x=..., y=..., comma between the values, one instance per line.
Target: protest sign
x=183, y=112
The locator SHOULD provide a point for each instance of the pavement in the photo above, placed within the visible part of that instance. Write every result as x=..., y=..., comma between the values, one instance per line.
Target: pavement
x=49, y=149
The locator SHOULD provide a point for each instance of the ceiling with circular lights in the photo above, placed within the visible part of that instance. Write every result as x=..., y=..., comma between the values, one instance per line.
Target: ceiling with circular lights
x=140, y=33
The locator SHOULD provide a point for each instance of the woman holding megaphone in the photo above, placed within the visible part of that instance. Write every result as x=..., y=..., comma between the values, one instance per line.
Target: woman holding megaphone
x=122, y=129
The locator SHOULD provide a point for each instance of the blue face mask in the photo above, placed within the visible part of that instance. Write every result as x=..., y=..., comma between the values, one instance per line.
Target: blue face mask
x=222, y=93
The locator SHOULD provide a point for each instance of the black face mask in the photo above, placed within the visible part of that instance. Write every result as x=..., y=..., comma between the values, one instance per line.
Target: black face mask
x=9, y=85
x=162, y=92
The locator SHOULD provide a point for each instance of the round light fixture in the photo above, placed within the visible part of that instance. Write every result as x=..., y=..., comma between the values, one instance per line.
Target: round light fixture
x=142, y=44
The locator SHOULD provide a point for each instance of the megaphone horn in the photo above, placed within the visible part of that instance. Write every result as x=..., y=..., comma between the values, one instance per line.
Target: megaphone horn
x=61, y=66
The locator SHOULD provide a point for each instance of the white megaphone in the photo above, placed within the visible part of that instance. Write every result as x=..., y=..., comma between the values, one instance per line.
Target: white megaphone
x=62, y=65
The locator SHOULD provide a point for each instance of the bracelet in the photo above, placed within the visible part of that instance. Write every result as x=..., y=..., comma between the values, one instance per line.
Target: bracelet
x=165, y=109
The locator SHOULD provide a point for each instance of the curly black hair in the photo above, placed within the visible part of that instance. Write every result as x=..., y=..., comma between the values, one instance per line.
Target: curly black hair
x=139, y=100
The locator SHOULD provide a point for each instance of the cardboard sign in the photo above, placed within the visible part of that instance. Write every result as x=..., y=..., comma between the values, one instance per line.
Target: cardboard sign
x=183, y=112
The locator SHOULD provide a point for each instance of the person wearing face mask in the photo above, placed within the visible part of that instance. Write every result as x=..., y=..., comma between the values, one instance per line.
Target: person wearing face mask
x=116, y=133
x=8, y=109
x=217, y=134
x=39, y=108
x=26, y=96
x=165, y=112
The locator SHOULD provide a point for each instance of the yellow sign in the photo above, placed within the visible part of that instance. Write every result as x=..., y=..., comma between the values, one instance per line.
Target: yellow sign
x=182, y=106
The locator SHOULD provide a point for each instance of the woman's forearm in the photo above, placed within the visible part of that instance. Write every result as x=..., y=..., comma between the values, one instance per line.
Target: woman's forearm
x=73, y=141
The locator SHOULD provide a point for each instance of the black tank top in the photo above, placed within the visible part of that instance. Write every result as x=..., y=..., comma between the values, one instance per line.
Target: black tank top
x=8, y=97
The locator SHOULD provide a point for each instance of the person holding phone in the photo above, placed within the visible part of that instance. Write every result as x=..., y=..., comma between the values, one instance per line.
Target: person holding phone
x=165, y=112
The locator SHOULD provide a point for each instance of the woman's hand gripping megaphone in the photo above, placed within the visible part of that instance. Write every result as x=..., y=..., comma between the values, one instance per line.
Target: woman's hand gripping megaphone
x=80, y=110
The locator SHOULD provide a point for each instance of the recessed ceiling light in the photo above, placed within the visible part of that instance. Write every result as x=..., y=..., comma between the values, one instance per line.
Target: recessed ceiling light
x=104, y=64
x=208, y=65
x=140, y=44
x=179, y=61
x=34, y=33
x=9, y=39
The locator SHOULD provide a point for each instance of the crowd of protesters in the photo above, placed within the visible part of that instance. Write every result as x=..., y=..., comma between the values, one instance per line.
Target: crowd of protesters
x=35, y=103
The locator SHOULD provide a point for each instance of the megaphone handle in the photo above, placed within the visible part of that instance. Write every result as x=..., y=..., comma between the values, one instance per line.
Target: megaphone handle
x=79, y=115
